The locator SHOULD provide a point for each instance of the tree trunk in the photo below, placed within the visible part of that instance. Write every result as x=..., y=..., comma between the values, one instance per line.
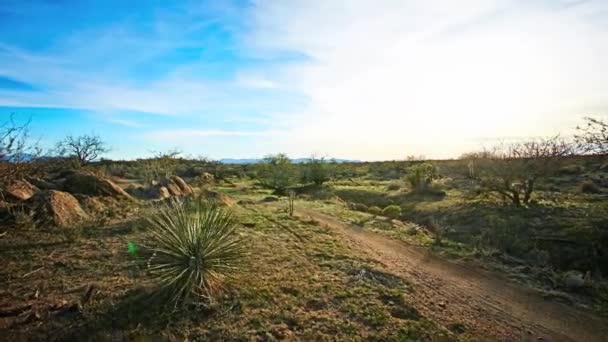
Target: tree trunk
x=515, y=197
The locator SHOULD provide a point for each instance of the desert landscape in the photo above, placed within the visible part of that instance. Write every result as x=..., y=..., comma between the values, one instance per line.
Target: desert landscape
x=304, y=170
x=417, y=249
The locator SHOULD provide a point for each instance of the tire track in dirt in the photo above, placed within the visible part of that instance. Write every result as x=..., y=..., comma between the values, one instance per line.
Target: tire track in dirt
x=489, y=305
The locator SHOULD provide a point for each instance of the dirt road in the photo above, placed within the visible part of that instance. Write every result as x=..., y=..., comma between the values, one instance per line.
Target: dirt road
x=491, y=307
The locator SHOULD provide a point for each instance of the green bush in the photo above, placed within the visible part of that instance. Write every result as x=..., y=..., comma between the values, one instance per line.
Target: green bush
x=315, y=171
x=195, y=247
x=276, y=172
x=392, y=211
x=374, y=210
x=421, y=175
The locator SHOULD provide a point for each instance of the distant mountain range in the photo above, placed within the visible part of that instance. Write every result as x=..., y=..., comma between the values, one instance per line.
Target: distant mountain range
x=296, y=161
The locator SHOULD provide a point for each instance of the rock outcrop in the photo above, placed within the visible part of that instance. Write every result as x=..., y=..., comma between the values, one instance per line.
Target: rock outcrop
x=87, y=183
x=182, y=185
x=59, y=208
x=20, y=190
x=220, y=198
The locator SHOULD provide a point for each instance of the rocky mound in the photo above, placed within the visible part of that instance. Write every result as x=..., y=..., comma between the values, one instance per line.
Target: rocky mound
x=220, y=198
x=205, y=178
x=20, y=190
x=173, y=186
x=182, y=185
x=58, y=208
x=87, y=183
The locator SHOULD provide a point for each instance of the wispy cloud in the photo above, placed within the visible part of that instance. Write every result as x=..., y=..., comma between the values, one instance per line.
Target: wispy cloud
x=178, y=134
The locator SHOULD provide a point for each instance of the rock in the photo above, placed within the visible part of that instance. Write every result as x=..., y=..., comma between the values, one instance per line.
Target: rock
x=270, y=199
x=573, y=280
x=59, y=208
x=206, y=178
x=162, y=192
x=173, y=189
x=219, y=197
x=182, y=185
x=20, y=190
x=87, y=183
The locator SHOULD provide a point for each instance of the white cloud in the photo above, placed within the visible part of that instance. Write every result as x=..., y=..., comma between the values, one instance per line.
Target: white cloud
x=391, y=78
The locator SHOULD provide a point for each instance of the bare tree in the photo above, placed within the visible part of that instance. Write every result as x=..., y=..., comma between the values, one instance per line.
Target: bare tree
x=84, y=148
x=593, y=137
x=514, y=170
x=17, y=154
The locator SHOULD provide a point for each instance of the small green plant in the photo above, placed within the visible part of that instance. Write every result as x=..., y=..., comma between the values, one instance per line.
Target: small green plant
x=393, y=211
x=195, y=247
x=374, y=210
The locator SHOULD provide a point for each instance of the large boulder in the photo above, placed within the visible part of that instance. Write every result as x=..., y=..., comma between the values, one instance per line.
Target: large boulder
x=59, y=208
x=20, y=190
x=159, y=192
x=218, y=197
x=182, y=185
x=173, y=189
x=573, y=280
x=87, y=183
x=205, y=178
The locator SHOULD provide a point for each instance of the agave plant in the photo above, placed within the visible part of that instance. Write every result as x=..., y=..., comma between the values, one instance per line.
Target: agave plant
x=195, y=247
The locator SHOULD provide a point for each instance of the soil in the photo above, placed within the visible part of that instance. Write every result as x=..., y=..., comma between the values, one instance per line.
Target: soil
x=488, y=305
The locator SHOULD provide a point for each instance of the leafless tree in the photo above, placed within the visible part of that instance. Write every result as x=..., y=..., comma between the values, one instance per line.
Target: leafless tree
x=84, y=148
x=513, y=170
x=17, y=153
x=593, y=137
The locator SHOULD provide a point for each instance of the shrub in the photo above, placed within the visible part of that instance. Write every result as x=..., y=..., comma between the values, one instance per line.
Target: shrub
x=374, y=210
x=276, y=172
x=393, y=186
x=588, y=187
x=195, y=247
x=421, y=175
x=392, y=211
x=315, y=171
x=358, y=206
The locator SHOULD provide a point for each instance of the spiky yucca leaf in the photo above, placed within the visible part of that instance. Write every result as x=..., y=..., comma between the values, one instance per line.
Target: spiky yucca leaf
x=195, y=248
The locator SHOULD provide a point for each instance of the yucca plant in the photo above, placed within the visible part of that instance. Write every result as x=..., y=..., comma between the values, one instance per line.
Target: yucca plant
x=195, y=248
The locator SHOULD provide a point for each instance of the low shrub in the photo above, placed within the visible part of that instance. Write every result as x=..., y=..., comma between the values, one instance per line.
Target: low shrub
x=392, y=211
x=374, y=210
x=589, y=187
x=195, y=247
x=393, y=187
x=358, y=206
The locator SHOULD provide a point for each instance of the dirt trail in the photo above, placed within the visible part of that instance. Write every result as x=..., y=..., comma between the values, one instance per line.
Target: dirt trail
x=490, y=306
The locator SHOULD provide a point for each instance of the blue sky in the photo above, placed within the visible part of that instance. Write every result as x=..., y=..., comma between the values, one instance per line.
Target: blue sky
x=357, y=79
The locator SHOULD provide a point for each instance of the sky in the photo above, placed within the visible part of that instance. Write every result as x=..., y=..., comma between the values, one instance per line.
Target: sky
x=358, y=79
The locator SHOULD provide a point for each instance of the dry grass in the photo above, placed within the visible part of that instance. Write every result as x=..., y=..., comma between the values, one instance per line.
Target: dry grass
x=301, y=282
